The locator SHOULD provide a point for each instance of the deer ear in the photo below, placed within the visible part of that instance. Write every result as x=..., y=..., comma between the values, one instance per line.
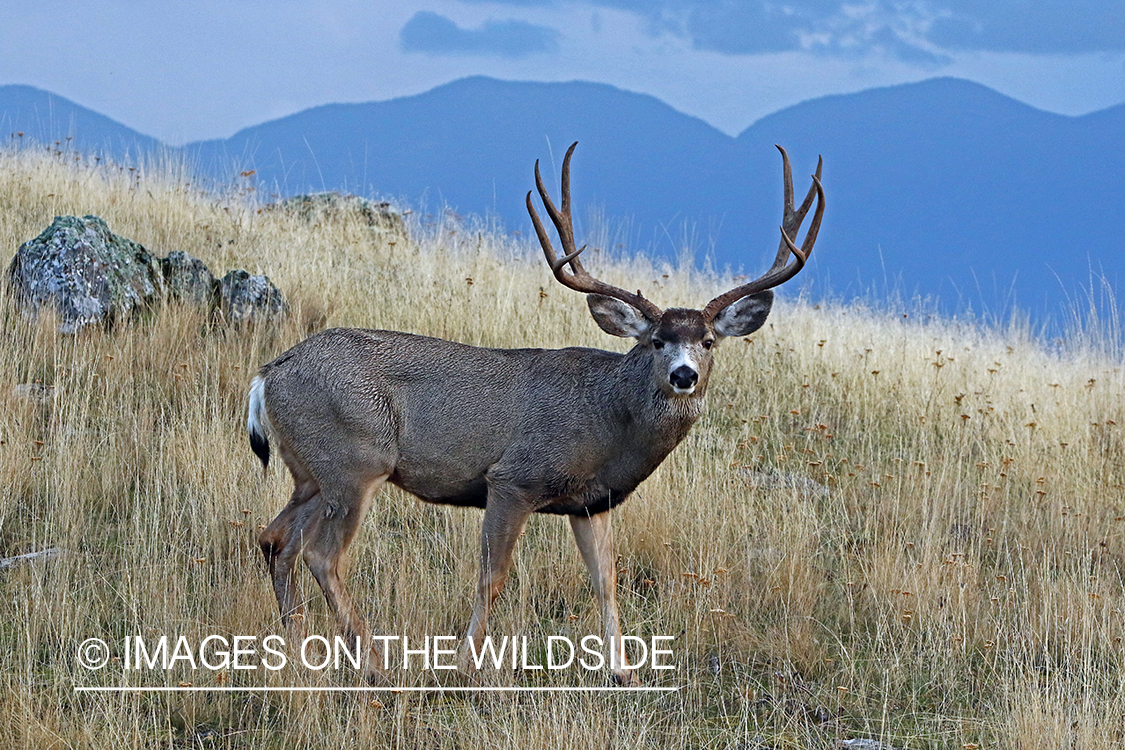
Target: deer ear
x=744, y=316
x=617, y=318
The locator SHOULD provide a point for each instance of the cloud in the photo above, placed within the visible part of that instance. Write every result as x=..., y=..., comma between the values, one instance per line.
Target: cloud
x=914, y=31
x=1070, y=27
x=437, y=35
x=831, y=27
x=821, y=26
x=739, y=28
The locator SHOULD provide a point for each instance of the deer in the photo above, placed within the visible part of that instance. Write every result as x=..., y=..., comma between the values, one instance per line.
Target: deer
x=515, y=432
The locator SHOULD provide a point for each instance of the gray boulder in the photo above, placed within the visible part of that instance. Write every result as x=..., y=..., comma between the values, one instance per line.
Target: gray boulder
x=381, y=216
x=189, y=280
x=244, y=298
x=86, y=272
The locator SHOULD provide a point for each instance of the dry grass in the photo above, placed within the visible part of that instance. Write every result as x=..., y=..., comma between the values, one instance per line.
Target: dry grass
x=960, y=585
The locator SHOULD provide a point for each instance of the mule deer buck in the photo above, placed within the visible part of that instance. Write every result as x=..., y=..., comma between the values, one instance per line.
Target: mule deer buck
x=514, y=431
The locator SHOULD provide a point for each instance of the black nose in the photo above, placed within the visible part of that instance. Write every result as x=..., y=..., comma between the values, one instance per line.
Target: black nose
x=683, y=377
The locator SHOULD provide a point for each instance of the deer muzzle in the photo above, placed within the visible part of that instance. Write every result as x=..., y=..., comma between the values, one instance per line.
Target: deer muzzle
x=683, y=379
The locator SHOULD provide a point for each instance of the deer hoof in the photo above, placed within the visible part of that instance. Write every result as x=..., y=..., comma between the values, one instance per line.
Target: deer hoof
x=626, y=678
x=375, y=677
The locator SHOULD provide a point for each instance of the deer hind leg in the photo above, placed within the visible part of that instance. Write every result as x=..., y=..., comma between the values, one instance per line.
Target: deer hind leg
x=504, y=520
x=594, y=535
x=281, y=544
x=327, y=535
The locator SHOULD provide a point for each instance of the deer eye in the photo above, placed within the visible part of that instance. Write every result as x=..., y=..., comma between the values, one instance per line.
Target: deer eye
x=708, y=343
x=657, y=344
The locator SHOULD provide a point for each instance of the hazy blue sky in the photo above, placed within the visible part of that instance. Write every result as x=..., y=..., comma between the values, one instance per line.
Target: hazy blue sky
x=205, y=68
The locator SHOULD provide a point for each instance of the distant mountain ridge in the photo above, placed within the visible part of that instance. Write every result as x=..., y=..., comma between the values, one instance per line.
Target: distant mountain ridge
x=959, y=191
x=44, y=117
x=471, y=145
x=941, y=188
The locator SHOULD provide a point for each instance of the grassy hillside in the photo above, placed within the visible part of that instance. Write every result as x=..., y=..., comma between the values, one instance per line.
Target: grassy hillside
x=960, y=583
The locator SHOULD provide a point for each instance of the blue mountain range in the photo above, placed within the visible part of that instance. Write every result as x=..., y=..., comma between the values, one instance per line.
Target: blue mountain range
x=942, y=190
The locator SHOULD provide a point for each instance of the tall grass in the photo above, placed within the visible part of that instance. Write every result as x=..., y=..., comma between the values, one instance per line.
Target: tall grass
x=959, y=583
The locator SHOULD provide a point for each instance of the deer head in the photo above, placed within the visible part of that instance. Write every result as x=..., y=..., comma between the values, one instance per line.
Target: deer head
x=681, y=341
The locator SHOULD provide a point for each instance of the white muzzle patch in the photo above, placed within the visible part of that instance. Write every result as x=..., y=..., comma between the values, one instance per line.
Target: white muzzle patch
x=683, y=359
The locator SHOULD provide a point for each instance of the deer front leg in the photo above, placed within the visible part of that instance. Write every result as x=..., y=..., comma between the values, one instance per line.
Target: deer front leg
x=594, y=535
x=504, y=521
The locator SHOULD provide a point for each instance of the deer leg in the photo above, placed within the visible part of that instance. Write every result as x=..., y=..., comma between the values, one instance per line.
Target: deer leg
x=281, y=543
x=327, y=536
x=504, y=521
x=594, y=535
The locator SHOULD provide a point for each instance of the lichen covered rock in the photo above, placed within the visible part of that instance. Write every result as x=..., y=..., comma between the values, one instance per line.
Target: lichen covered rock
x=189, y=280
x=246, y=298
x=380, y=216
x=91, y=275
x=86, y=272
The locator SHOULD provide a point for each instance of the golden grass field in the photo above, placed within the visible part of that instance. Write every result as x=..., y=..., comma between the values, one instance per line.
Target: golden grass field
x=959, y=586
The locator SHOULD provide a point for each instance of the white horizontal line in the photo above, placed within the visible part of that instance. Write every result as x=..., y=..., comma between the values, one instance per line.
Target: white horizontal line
x=471, y=689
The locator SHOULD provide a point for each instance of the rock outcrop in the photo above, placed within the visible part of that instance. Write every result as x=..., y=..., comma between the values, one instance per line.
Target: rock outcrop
x=91, y=275
x=86, y=272
x=188, y=279
x=380, y=216
x=246, y=298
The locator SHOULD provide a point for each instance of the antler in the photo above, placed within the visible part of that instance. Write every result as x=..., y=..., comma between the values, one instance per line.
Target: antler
x=792, y=219
x=579, y=279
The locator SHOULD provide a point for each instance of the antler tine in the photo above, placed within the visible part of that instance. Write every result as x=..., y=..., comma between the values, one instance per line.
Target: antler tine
x=561, y=219
x=787, y=176
x=814, y=225
x=579, y=279
x=792, y=218
x=781, y=270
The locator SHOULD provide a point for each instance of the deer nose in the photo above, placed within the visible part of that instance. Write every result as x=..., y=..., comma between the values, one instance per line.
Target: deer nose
x=683, y=377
